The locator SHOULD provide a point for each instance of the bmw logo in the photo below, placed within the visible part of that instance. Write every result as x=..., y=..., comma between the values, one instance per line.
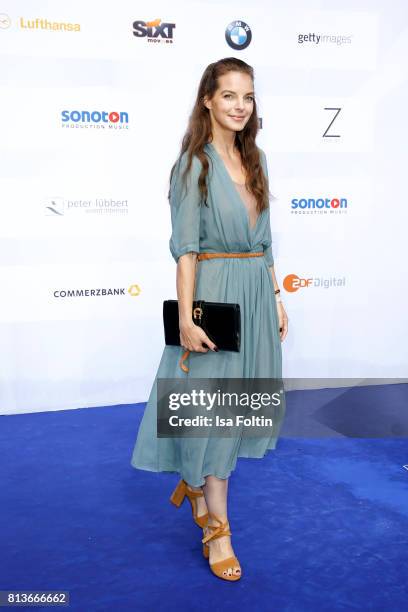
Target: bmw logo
x=238, y=34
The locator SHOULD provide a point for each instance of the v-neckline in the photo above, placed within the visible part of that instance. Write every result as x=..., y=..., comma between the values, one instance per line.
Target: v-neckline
x=244, y=208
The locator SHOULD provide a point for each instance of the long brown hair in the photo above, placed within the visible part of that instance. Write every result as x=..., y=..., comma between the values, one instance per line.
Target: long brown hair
x=199, y=132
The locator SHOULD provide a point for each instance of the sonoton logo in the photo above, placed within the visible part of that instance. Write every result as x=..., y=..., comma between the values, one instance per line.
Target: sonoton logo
x=154, y=31
x=319, y=204
x=100, y=119
x=238, y=35
x=293, y=282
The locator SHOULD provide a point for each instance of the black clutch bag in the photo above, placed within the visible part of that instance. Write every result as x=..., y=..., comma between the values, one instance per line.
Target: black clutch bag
x=220, y=321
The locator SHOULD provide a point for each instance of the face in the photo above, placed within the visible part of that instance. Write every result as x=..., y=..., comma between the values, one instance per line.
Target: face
x=233, y=102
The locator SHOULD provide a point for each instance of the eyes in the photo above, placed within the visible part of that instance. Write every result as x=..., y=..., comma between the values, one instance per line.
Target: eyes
x=251, y=98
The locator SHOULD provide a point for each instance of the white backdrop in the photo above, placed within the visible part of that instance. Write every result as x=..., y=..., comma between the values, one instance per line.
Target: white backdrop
x=84, y=203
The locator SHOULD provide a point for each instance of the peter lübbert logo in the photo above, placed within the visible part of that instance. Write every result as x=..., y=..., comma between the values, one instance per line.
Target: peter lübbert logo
x=59, y=207
x=238, y=35
x=5, y=21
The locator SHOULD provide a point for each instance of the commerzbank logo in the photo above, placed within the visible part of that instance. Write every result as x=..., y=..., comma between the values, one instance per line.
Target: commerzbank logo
x=132, y=290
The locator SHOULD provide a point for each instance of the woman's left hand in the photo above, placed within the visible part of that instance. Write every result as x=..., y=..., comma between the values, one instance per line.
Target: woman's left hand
x=283, y=320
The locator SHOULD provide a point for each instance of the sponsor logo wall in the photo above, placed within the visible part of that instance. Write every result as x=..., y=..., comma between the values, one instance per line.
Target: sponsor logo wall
x=94, y=106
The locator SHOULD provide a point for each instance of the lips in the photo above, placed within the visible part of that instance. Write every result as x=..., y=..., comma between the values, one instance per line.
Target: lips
x=237, y=116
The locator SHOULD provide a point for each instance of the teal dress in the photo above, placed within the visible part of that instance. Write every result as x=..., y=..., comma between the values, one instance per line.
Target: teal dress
x=223, y=226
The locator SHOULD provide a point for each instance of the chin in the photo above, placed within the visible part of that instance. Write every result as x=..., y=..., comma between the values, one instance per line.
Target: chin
x=237, y=128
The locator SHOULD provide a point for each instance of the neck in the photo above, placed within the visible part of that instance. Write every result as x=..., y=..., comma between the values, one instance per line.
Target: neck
x=224, y=142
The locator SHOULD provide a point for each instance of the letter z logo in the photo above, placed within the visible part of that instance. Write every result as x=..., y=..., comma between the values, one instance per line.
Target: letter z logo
x=325, y=134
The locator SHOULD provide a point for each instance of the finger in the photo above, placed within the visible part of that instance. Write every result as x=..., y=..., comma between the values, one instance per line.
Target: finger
x=199, y=348
x=209, y=343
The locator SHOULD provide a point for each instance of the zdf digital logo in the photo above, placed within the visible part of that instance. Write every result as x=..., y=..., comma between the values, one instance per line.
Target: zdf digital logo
x=293, y=282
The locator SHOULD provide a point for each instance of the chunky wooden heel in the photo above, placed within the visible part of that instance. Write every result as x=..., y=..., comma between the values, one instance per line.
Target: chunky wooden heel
x=179, y=493
x=177, y=497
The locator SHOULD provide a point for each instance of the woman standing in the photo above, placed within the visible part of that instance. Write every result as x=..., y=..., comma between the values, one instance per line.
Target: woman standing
x=219, y=199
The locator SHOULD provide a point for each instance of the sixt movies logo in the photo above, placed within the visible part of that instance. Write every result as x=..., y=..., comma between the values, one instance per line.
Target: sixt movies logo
x=319, y=206
x=95, y=119
x=154, y=31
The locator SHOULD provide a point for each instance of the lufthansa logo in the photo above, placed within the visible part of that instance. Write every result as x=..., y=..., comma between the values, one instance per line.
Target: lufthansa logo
x=238, y=35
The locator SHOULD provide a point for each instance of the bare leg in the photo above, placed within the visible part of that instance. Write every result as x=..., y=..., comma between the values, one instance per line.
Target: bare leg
x=216, y=492
x=201, y=503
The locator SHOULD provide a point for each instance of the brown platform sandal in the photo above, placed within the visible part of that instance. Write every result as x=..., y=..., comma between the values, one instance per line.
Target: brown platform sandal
x=177, y=498
x=220, y=567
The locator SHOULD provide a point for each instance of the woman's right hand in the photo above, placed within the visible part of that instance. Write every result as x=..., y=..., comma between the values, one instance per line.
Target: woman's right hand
x=192, y=337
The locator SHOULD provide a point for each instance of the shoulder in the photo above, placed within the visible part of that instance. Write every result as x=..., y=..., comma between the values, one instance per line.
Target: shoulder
x=183, y=161
x=180, y=175
x=264, y=163
x=262, y=154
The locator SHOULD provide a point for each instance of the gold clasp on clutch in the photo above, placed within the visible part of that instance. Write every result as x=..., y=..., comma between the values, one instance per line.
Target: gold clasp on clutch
x=197, y=313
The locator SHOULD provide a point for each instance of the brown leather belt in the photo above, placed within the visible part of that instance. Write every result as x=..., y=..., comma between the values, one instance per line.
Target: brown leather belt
x=202, y=256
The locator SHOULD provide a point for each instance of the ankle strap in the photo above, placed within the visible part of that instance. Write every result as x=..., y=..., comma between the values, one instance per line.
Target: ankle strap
x=217, y=531
x=191, y=493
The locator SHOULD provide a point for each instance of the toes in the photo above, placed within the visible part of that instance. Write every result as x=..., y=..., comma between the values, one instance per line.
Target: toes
x=232, y=571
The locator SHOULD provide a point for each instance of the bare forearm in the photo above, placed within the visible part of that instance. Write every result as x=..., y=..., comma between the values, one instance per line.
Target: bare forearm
x=185, y=277
x=275, y=282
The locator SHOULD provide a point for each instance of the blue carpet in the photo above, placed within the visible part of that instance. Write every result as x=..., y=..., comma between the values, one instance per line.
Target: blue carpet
x=320, y=524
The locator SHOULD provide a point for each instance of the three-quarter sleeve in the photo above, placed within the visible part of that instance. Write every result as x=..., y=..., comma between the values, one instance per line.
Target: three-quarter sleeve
x=267, y=242
x=185, y=209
